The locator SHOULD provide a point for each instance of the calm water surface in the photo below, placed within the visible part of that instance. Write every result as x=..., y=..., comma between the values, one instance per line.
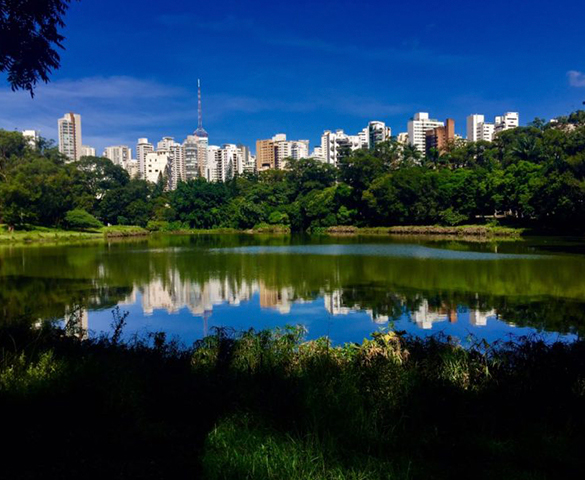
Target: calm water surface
x=343, y=287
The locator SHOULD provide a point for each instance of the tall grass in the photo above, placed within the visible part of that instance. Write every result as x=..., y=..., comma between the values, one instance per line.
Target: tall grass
x=268, y=405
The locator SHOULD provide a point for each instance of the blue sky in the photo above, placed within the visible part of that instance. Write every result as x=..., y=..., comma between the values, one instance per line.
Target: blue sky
x=130, y=67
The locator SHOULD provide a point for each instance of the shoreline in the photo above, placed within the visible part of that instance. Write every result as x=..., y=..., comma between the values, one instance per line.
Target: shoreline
x=472, y=231
x=44, y=235
x=468, y=233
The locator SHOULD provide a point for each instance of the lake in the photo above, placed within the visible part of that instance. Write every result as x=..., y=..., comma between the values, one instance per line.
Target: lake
x=342, y=287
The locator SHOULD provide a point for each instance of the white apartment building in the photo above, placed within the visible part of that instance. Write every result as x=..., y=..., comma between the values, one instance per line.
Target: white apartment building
x=118, y=154
x=250, y=164
x=478, y=129
x=335, y=145
x=417, y=128
x=143, y=147
x=87, y=151
x=32, y=137
x=213, y=165
x=377, y=132
x=156, y=164
x=507, y=121
x=224, y=162
x=248, y=160
x=70, y=136
x=176, y=170
x=317, y=153
x=285, y=149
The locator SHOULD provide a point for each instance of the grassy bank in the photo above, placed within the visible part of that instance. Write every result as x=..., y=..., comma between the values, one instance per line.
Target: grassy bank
x=57, y=235
x=266, y=405
x=485, y=231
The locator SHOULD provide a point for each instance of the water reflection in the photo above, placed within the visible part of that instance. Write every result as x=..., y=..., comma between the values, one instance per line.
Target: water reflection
x=169, y=282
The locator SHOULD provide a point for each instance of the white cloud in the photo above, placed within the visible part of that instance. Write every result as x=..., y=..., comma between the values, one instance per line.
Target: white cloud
x=112, y=108
x=119, y=110
x=576, y=79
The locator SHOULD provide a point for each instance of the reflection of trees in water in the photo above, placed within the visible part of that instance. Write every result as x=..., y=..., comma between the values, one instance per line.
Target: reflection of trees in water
x=26, y=299
x=42, y=283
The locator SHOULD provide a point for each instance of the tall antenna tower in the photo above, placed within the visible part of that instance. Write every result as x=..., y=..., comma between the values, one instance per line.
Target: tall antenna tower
x=200, y=132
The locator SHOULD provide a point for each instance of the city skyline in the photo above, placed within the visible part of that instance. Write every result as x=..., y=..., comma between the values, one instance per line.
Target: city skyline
x=447, y=64
x=195, y=157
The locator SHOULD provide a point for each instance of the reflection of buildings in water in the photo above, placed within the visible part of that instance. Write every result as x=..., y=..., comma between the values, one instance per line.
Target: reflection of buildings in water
x=379, y=319
x=478, y=318
x=174, y=294
x=280, y=299
x=425, y=317
x=334, y=305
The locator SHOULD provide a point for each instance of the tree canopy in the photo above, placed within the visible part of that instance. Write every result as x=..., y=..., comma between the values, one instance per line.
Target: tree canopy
x=529, y=176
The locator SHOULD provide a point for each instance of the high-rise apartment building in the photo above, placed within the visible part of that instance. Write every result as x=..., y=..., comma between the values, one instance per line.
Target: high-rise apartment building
x=191, y=148
x=507, y=121
x=118, y=154
x=143, y=147
x=265, y=155
x=213, y=163
x=317, y=153
x=275, y=152
x=248, y=160
x=478, y=129
x=224, y=162
x=474, y=129
x=70, y=136
x=176, y=169
x=336, y=145
x=377, y=132
x=157, y=166
x=440, y=137
x=87, y=151
x=417, y=128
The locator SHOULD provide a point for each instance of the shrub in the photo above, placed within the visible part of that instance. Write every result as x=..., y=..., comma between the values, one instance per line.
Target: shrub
x=79, y=219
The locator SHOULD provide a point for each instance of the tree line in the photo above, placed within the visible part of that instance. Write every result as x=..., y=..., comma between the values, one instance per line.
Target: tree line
x=533, y=176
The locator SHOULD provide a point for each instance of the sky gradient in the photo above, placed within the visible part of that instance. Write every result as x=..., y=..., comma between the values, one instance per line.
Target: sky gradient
x=130, y=67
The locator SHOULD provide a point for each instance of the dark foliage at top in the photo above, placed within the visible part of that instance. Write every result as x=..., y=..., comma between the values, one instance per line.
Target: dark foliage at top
x=29, y=39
